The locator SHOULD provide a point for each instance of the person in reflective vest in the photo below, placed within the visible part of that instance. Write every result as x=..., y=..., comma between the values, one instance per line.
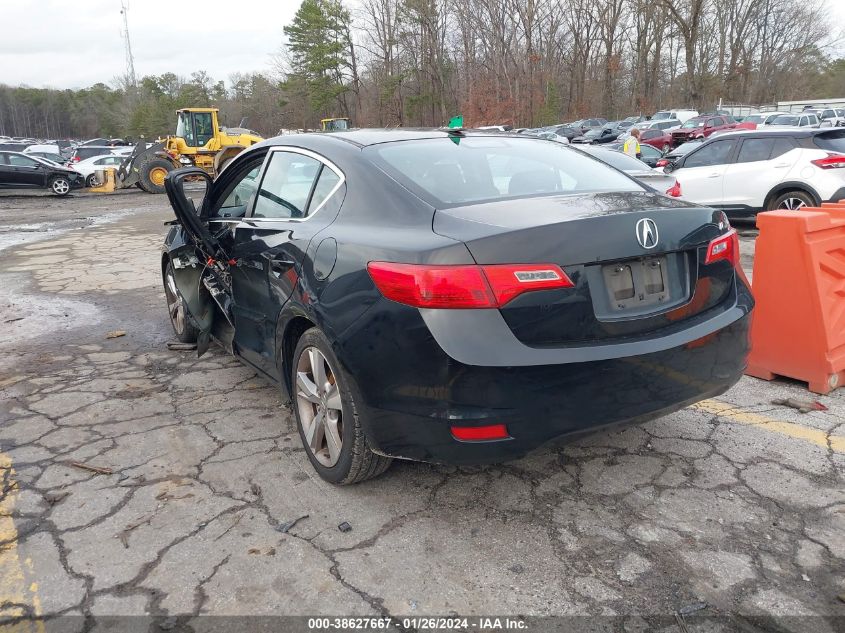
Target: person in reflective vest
x=632, y=144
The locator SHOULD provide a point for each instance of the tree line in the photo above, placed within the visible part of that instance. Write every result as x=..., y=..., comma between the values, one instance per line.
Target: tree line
x=520, y=62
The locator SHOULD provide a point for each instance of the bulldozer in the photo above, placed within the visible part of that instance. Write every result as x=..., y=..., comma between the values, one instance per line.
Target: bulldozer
x=199, y=141
x=338, y=124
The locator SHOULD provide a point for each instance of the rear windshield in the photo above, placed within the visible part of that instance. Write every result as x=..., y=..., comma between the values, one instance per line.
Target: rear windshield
x=833, y=141
x=472, y=169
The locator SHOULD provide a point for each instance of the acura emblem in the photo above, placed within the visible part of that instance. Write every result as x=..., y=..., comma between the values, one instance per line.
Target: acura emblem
x=647, y=233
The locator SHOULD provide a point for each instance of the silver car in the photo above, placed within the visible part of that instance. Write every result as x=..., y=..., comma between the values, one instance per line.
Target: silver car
x=637, y=169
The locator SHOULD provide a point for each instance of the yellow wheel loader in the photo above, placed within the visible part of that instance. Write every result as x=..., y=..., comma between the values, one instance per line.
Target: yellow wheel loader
x=199, y=141
x=339, y=124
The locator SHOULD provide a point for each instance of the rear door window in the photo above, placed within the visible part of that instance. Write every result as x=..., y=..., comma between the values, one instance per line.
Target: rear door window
x=286, y=186
x=327, y=184
x=717, y=153
x=755, y=149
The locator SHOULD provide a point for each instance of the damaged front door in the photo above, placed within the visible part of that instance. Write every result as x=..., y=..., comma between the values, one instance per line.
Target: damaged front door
x=199, y=272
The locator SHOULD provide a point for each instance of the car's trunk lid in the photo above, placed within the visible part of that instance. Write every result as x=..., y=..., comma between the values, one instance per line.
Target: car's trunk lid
x=621, y=288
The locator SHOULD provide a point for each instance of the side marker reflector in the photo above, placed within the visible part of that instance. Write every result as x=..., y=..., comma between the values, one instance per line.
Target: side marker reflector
x=480, y=433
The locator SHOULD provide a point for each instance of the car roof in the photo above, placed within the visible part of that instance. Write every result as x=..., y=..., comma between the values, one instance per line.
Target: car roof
x=374, y=136
x=777, y=131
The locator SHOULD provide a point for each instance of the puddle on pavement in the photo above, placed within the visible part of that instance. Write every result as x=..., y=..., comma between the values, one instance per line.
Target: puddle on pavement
x=25, y=316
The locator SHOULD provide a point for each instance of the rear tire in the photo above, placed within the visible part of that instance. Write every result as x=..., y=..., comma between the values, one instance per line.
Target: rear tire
x=59, y=185
x=182, y=327
x=326, y=410
x=152, y=173
x=792, y=201
x=92, y=181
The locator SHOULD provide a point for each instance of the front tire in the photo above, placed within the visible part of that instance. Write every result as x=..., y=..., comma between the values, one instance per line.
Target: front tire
x=152, y=173
x=792, y=201
x=326, y=410
x=182, y=327
x=60, y=186
x=92, y=181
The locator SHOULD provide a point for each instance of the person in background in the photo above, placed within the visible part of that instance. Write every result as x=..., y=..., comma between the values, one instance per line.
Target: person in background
x=632, y=144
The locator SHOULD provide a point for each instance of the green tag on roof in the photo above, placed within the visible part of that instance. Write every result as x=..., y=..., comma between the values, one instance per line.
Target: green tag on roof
x=456, y=121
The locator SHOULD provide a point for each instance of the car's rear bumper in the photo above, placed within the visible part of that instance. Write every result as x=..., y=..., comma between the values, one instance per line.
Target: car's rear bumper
x=412, y=392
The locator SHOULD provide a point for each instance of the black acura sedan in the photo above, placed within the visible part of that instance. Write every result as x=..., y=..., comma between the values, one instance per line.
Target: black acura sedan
x=453, y=297
x=22, y=171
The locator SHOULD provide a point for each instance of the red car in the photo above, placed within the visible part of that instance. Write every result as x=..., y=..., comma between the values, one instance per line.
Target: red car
x=701, y=127
x=661, y=139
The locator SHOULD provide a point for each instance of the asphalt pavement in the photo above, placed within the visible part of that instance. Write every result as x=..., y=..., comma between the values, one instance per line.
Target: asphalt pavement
x=139, y=481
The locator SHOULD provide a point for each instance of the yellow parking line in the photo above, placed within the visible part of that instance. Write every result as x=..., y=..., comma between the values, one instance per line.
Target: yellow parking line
x=732, y=413
x=14, y=588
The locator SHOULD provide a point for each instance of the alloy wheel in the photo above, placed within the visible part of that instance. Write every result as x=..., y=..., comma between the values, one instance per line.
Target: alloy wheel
x=175, y=307
x=320, y=407
x=61, y=186
x=793, y=204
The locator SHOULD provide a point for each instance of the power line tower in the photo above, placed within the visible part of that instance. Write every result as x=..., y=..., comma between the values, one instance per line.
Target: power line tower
x=130, y=61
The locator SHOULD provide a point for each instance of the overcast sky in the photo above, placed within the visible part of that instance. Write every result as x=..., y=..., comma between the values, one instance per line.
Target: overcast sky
x=76, y=43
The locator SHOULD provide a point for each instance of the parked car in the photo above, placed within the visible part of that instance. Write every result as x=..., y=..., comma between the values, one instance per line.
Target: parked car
x=657, y=179
x=663, y=124
x=89, y=167
x=834, y=116
x=681, y=115
x=446, y=293
x=89, y=151
x=585, y=125
x=52, y=148
x=19, y=171
x=700, y=127
x=648, y=154
x=564, y=130
x=551, y=136
x=661, y=139
x=598, y=135
x=746, y=172
x=805, y=119
x=55, y=158
x=675, y=153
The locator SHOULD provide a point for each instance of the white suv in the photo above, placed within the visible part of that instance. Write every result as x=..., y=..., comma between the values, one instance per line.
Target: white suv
x=760, y=170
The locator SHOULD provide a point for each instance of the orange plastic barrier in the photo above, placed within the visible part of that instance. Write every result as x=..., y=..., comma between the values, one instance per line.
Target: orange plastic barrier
x=798, y=328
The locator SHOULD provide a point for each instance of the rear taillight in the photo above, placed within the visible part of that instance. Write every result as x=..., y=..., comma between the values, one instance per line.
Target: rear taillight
x=675, y=190
x=469, y=286
x=724, y=247
x=831, y=161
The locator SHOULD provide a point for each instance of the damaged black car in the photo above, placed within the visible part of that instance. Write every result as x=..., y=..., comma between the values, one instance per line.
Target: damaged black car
x=453, y=297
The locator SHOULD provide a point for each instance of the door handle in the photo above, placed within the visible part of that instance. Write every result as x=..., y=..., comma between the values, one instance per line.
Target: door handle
x=714, y=175
x=782, y=165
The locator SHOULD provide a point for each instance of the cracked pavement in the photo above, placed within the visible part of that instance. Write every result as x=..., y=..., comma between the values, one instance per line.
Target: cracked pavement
x=734, y=507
